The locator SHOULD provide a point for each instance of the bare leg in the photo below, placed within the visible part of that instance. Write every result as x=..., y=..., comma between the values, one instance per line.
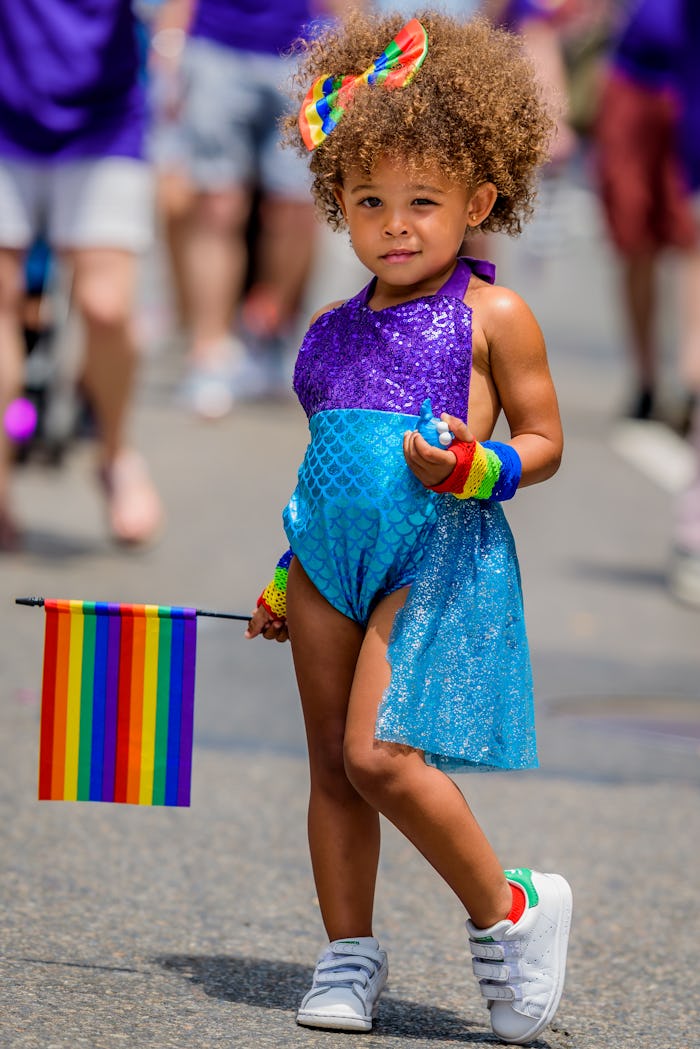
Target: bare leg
x=175, y=203
x=103, y=292
x=285, y=253
x=216, y=263
x=343, y=827
x=639, y=296
x=689, y=308
x=11, y=371
x=422, y=802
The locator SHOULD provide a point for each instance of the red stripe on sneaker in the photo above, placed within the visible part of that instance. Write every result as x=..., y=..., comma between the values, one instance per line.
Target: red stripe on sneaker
x=519, y=903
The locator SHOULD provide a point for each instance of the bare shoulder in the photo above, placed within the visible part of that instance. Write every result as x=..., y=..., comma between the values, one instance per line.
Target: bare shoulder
x=496, y=303
x=325, y=309
x=503, y=318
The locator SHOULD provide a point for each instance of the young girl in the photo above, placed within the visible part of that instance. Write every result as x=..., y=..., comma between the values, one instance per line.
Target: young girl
x=403, y=601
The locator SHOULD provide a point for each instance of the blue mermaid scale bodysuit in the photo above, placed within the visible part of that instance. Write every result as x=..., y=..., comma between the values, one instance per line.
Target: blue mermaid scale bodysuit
x=362, y=526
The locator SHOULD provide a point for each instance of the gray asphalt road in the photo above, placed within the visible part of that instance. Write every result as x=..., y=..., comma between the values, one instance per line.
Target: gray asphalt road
x=144, y=927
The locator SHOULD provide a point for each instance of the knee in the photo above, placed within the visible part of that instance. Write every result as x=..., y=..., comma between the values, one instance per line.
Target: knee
x=374, y=769
x=327, y=769
x=174, y=197
x=104, y=305
x=224, y=212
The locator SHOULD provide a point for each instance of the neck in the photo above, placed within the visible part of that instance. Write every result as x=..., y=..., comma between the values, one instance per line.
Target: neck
x=384, y=294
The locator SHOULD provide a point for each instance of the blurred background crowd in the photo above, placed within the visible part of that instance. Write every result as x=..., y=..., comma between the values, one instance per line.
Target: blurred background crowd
x=142, y=130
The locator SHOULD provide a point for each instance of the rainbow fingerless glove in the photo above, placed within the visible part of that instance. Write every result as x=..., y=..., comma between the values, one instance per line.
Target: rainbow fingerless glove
x=491, y=470
x=274, y=596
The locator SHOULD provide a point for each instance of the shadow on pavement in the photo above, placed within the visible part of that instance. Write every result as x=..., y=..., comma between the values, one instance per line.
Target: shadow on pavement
x=263, y=983
x=53, y=546
x=616, y=575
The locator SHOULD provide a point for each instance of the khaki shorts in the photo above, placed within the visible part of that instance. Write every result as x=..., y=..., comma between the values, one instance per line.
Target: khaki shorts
x=95, y=203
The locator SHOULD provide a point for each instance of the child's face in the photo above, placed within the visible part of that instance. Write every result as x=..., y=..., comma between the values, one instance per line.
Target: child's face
x=406, y=225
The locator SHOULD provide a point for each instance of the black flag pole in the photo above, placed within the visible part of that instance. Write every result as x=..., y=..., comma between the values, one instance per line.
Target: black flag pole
x=38, y=602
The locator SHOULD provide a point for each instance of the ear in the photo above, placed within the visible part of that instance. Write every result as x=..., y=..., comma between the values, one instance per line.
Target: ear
x=339, y=194
x=481, y=203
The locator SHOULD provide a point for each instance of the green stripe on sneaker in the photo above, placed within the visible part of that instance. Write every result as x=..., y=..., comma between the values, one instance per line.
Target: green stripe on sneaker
x=522, y=876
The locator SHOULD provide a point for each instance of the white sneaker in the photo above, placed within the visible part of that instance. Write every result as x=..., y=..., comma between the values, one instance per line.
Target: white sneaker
x=521, y=966
x=350, y=976
x=207, y=392
x=207, y=389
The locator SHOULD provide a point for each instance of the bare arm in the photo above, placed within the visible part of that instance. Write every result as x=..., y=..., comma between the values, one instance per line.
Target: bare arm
x=543, y=43
x=174, y=14
x=171, y=23
x=542, y=39
x=521, y=375
x=521, y=379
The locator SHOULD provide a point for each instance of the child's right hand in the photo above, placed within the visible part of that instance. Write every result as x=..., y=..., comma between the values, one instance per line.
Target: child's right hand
x=432, y=465
x=261, y=622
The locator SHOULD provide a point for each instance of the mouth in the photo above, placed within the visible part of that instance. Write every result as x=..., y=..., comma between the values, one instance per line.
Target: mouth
x=397, y=256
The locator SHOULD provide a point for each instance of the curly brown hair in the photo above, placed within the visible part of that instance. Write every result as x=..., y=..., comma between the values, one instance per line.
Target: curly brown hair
x=474, y=109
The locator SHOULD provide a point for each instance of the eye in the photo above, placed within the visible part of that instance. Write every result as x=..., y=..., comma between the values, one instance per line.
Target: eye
x=370, y=202
x=424, y=202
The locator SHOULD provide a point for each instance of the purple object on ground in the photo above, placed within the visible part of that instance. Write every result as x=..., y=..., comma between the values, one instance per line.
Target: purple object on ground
x=20, y=419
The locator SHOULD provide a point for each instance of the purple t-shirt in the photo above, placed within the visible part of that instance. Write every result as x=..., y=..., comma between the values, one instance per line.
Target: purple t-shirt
x=518, y=11
x=650, y=40
x=657, y=46
x=689, y=83
x=253, y=25
x=69, y=80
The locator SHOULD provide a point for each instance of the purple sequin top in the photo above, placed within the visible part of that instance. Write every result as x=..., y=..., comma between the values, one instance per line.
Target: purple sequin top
x=392, y=359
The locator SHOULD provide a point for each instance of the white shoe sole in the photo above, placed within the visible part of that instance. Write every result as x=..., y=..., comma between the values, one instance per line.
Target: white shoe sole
x=567, y=905
x=335, y=1023
x=329, y=1022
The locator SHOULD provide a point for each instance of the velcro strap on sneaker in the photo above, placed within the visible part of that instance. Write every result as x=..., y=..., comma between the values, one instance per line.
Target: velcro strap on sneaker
x=351, y=964
x=329, y=976
x=496, y=992
x=499, y=972
x=491, y=951
x=343, y=948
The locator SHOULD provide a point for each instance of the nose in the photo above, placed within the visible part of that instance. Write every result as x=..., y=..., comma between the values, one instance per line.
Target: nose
x=395, y=224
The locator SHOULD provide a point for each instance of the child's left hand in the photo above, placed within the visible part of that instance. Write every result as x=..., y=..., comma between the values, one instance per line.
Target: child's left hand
x=261, y=622
x=433, y=465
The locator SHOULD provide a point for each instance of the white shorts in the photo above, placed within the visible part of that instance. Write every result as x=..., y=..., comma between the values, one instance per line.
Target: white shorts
x=105, y=202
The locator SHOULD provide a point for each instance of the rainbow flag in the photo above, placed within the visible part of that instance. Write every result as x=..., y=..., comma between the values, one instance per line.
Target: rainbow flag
x=117, y=703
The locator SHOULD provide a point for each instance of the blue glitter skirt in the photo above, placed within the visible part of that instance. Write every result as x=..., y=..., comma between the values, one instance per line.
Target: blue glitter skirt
x=461, y=680
x=362, y=526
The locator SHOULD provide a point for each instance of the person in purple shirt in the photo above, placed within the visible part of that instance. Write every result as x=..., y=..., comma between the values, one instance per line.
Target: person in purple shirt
x=643, y=187
x=72, y=123
x=229, y=75
x=648, y=151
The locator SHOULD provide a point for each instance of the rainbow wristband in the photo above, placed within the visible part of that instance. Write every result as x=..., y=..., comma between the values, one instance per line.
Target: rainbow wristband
x=274, y=596
x=491, y=470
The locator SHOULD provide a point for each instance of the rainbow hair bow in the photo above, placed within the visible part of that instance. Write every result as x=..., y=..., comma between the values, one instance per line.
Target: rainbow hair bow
x=328, y=97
